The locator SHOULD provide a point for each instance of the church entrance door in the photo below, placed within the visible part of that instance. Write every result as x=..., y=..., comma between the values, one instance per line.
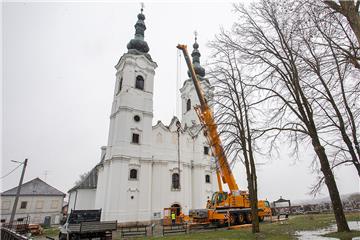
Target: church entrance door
x=176, y=207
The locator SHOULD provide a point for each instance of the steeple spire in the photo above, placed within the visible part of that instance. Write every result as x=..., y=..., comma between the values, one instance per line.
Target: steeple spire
x=137, y=45
x=199, y=70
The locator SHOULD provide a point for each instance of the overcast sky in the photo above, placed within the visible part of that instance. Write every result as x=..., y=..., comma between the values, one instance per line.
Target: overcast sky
x=59, y=78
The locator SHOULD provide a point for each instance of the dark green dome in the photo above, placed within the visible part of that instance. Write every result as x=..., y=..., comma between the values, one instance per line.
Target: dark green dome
x=199, y=70
x=138, y=43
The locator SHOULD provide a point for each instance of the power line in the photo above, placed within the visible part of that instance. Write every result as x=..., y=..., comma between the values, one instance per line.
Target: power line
x=11, y=171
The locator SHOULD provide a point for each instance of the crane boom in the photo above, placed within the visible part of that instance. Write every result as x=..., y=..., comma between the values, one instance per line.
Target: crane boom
x=207, y=118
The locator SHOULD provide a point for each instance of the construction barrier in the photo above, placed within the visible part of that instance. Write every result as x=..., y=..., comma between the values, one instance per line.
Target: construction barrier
x=133, y=231
x=174, y=229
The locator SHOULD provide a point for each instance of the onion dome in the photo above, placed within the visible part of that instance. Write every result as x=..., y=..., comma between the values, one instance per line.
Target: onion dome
x=199, y=70
x=138, y=43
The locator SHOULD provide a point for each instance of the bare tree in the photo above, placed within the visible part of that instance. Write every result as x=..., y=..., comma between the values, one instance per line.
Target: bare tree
x=81, y=178
x=350, y=10
x=233, y=116
x=265, y=35
x=331, y=79
x=343, y=15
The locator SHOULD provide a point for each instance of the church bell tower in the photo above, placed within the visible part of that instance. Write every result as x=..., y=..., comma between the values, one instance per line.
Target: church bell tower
x=189, y=97
x=132, y=108
x=123, y=174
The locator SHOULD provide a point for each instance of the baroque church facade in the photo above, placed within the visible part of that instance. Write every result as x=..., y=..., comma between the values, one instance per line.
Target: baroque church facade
x=146, y=168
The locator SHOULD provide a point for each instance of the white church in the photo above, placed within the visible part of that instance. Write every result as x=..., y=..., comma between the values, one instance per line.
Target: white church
x=145, y=168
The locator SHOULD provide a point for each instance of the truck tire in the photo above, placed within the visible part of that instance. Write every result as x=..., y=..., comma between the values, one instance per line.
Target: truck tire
x=241, y=218
x=248, y=217
x=261, y=219
x=62, y=236
x=232, y=219
x=74, y=237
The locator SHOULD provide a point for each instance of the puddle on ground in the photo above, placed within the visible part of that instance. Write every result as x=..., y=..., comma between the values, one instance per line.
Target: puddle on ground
x=316, y=234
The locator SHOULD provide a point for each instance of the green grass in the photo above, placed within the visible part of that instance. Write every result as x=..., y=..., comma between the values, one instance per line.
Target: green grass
x=353, y=216
x=278, y=230
x=51, y=232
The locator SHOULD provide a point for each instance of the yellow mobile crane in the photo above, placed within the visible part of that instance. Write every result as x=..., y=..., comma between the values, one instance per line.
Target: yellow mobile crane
x=233, y=207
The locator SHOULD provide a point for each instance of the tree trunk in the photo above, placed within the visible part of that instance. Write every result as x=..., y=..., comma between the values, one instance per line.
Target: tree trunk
x=350, y=11
x=352, y=15
x=341, y=222
x=252, y=197
x=254, y=205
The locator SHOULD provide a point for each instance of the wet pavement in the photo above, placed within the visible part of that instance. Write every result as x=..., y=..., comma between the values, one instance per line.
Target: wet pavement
x=316, y=234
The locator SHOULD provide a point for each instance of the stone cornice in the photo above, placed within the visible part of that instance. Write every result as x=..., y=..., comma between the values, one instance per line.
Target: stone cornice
x=130, y=59
x=129, y=109
x=157, y=162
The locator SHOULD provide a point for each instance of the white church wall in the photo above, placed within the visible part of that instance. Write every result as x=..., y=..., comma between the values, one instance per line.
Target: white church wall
x=85, y=199
x=116, y=201
x=82, y=199
x=155, y=157
x=100, y=189
x=159, y=187
x=71, y=200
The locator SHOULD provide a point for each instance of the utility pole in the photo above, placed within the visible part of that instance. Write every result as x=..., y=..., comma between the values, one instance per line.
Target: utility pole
x=18, y=193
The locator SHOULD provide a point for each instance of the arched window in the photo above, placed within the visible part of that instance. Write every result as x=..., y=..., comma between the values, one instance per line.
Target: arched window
x=120, y=86
x=139, y=82
x=207, y=178
x=188, y=105
x=175, y=181
x=133, y=174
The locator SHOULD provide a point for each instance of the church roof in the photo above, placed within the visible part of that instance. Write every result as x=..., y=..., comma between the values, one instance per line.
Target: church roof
x=161, y=124
x=89, y=182
x=169, y=127
x=138, y=45
x=35, y=187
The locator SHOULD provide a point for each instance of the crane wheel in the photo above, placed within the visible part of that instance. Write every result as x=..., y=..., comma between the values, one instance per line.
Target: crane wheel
x=232, y=219
x=248, y=218
x=241, y=218
x=261, y=218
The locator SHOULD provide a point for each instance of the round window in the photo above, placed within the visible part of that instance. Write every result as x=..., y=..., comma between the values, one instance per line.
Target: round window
x=137, y=118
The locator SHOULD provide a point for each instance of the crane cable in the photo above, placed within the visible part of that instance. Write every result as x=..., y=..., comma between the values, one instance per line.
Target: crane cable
x=178, y=76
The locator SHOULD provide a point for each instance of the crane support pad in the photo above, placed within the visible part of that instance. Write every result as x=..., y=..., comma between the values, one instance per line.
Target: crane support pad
x=198, y=213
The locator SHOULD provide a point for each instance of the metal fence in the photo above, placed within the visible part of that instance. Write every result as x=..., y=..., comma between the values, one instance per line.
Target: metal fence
x=20, y=226
x=9, y=234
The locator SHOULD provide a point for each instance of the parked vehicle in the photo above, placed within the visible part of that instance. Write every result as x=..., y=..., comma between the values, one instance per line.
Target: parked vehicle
x=82, y=224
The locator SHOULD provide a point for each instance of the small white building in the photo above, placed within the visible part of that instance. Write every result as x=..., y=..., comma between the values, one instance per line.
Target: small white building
x=37, y=200
x=146, y=168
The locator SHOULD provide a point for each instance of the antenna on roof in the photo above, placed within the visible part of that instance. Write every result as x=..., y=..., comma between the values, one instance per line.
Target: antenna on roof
x=46, y=172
